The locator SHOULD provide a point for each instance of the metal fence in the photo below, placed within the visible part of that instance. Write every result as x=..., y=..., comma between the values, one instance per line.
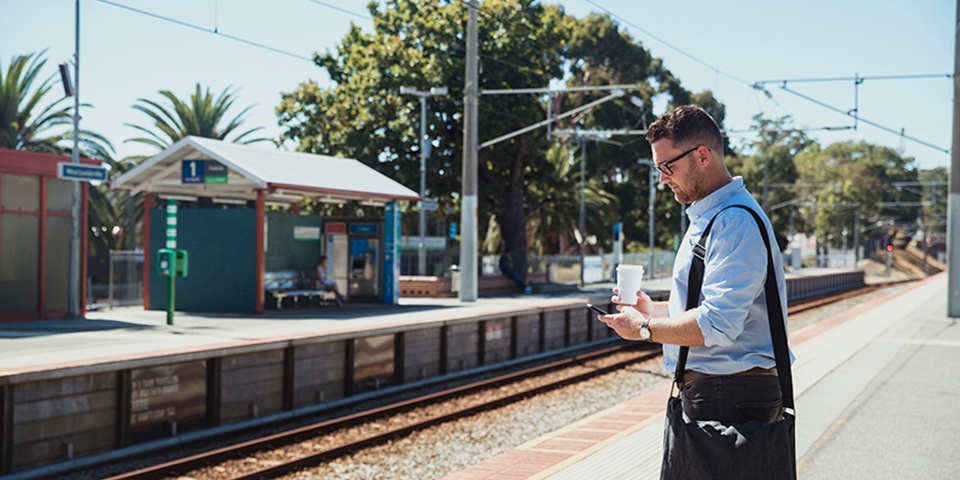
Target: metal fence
x=596, y=268
x=125, y=282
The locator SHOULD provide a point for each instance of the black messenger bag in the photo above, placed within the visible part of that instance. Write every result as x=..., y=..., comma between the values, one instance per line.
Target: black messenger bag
x=742, y=451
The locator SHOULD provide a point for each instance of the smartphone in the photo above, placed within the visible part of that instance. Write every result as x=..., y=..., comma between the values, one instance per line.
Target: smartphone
x=597, y=309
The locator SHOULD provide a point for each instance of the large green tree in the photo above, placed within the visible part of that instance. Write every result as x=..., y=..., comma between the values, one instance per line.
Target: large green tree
x=934, y=192
x=522, y=44
x=768, y=170
x=857, y=177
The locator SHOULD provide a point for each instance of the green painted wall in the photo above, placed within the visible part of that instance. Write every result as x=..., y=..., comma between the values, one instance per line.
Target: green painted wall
x=220, y=244
x=287, y=252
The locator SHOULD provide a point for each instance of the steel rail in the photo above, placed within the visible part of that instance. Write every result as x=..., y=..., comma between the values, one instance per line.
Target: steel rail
x=201, y=460
x=181, y=466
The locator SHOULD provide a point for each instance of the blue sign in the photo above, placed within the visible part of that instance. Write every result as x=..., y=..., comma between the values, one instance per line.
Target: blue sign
x=80, y=172
x=191, y=171
x=391, y=254
x=363, y=228
x=202, y=171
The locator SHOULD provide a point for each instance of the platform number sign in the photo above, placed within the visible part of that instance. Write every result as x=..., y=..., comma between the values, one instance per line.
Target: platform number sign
x=193, y=171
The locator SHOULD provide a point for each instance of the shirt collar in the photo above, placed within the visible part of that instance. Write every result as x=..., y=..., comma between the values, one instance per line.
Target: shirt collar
x=715, y=199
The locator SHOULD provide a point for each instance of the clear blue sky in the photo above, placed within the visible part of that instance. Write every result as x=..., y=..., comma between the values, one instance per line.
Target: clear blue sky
x=125, y=56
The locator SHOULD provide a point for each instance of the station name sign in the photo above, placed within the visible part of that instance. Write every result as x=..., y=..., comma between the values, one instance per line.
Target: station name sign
x=80, y=172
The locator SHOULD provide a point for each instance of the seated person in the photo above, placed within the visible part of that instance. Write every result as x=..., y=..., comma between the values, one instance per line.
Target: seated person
x=506, y=268
x=324, y=283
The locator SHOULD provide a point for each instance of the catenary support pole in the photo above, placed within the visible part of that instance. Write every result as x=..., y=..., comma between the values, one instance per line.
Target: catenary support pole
x=583, y=208
x=73, y=283
x=421, y=246
x=468, y=201
x=953, y=207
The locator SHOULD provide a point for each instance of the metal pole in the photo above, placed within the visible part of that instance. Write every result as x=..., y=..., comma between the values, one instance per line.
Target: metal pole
x=843, y=251
x=422, y=248
x=683, y=220
x=73, y=291
x=953, y=207
x=583, y=208
x=856, y=235
x=766, y=184
x=172, y=245
x=468, y=206
x=650, y=215
x=110, y=276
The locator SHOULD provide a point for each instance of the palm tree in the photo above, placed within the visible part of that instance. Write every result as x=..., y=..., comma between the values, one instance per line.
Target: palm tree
x=201, y=116
x=555, y=211
x=26, y=125
x=29, y=123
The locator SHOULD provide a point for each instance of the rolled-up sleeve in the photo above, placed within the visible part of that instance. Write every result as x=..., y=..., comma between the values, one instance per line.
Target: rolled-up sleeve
x=734, y=275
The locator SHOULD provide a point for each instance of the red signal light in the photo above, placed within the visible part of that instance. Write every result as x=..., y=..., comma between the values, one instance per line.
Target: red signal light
x=889, y=248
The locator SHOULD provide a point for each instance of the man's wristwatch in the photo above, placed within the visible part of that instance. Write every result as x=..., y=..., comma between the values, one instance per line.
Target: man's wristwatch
x=645, y=330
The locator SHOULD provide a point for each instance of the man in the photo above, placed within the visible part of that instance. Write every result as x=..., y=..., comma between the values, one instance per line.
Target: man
x=730, y=372
x=326, y=283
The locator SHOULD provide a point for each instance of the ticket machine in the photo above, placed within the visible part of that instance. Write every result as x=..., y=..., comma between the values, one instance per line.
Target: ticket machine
x=365, y=260
x=353, y=247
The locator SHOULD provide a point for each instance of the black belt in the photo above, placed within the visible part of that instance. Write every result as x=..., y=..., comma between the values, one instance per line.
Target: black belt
x=691, y=376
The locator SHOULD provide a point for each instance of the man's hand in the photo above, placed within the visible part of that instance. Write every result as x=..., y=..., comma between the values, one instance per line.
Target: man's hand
x=644, y=303
x=626, y=323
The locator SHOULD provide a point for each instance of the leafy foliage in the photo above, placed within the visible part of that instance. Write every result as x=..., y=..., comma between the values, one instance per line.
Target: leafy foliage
x=522, y=44
x=769, y=172
x=31, y=122
x=857, y=173
x=202, y=116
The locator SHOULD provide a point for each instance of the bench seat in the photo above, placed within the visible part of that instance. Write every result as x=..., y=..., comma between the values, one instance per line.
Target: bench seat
x=295, y=284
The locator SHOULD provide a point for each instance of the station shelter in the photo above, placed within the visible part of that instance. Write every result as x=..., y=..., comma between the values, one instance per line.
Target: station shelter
x=35, y=229
x=220, y=192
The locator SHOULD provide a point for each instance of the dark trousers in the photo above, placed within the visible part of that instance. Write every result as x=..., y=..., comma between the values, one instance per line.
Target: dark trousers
x=516, y=278
x=733, y=399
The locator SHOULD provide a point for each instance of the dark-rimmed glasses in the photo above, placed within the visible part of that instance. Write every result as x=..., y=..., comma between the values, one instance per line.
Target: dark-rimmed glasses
x=664, y=167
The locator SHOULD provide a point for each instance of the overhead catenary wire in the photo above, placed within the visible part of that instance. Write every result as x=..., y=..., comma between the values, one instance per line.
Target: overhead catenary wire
x=342, y=10
x=670, y=45
x=858, y=78
x=759, y=85
x=868, y=122
x=207, y=30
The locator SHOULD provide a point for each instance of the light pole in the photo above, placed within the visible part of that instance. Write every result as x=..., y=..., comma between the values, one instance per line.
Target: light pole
x=653, y=193
x=583, y=205
x=423, y=94
x=74, y=266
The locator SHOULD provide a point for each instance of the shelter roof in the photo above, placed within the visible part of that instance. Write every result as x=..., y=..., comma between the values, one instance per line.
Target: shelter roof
x=286, y=176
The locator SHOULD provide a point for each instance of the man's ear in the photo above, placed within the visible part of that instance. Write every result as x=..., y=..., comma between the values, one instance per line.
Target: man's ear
x=704, y=155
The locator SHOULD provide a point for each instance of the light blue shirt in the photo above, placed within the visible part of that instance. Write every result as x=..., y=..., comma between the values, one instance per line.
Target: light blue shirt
x=733, y=309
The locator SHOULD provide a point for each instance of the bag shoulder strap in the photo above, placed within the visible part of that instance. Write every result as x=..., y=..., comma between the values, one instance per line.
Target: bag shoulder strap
x=775, y=313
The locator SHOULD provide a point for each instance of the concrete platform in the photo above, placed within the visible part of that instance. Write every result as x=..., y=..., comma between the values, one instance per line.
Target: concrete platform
x=876, y=398
x=79, y=391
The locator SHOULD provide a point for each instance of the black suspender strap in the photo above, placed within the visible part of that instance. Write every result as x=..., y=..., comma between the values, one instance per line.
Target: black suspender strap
x=775, y=314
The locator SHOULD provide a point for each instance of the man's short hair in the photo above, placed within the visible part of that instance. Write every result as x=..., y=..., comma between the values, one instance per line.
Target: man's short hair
x=685, y=126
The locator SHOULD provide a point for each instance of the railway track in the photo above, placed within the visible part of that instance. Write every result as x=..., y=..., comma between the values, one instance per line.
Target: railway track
x=203, y=460
x=209, y=465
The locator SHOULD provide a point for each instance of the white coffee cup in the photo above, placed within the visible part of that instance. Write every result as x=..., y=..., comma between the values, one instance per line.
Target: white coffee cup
x=629, y=278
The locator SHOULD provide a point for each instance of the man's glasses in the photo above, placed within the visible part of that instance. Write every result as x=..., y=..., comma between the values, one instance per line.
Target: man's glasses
x=664, y=167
